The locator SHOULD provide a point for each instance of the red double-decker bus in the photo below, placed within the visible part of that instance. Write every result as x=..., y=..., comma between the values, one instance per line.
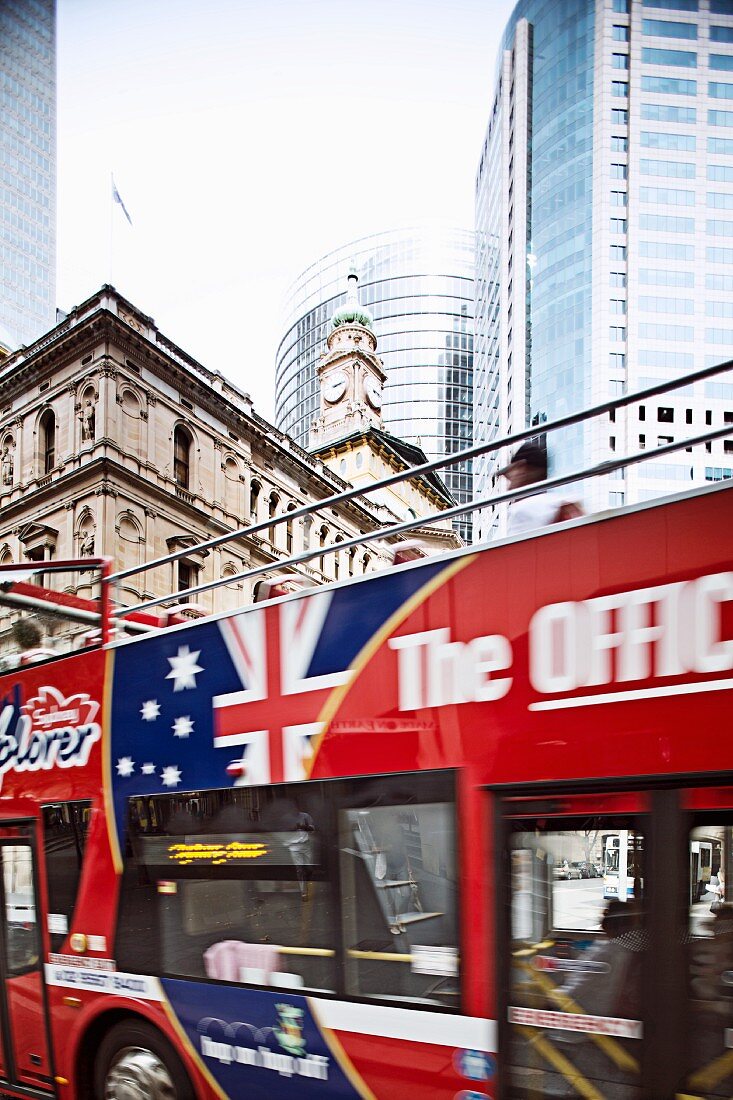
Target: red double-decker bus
x=325, y=845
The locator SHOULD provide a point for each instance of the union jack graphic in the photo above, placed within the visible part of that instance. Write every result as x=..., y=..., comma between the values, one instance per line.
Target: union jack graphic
x=273, y=719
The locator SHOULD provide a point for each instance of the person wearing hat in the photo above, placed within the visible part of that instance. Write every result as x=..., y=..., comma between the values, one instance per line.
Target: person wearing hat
x=529, y=465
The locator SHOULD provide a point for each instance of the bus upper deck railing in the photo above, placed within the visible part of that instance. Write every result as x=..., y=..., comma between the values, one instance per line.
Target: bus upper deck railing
x=394, y=530
x=103, y=619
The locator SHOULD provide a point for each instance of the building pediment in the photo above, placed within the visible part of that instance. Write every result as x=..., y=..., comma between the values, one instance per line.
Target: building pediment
x=35, y=535
x=186, y=542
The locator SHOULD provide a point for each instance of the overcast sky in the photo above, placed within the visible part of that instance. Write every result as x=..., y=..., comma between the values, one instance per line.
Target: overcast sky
x=250, y=137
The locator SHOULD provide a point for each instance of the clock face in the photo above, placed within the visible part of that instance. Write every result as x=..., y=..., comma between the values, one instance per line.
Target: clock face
x=373, y=392
x=335, y=387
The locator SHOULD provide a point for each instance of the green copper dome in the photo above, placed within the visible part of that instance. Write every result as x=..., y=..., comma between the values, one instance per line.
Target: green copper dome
x=351, y=312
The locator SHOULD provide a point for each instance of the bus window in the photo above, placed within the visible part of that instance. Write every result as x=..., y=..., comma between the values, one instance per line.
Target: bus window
x=21, y=929
x=65, y=826
x=575, y=977
x=232, y=886
x=398, y=894
x=710, y=957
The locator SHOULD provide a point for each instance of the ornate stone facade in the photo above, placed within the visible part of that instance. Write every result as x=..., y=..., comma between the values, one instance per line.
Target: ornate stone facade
x=116, y=442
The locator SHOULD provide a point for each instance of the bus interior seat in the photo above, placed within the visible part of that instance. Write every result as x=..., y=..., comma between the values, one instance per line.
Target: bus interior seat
x=227, y=959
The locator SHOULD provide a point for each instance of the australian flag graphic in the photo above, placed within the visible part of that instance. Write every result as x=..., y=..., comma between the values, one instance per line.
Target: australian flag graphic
x=247, y=687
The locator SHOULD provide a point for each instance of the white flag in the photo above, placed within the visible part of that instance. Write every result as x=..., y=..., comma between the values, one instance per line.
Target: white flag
x=117, y=197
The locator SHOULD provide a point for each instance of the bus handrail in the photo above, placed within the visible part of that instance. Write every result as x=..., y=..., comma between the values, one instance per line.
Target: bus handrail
x=435, y=464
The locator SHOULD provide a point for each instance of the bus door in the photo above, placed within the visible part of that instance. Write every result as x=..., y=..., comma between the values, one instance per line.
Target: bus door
x=708, y=1070
x=25, y=1048
x=573, y=934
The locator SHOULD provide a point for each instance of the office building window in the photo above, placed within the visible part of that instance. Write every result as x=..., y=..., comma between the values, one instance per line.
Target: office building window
x=719, y=200
x=617, y=278
x=618, y=225
x=617, y=305
x=672, y=169
x=619, y=198
x=721, y=34
x=619, y=88
x=619, y=145
x=666, y=250
x=716, y=227
x=618, y=251
x=722, y=61
x=666, y=223
x=665, y=28
x=721, y=173
x=720, y=118
x=672, y=5
x=655, y=304
x=679, y=333
x=669, y=196
x=665, y=276
x=719, y=255
x=616, y=334
x=668, y=85
x=619, y=171
x=684, y=143
x=620, y=34
x=720, y=91
x=719, y=282
x=724, y=146
x=683, y=59
x=661, y=112
x=620, y=61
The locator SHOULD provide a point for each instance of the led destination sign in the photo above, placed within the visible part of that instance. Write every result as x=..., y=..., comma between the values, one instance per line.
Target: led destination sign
x=225, y=851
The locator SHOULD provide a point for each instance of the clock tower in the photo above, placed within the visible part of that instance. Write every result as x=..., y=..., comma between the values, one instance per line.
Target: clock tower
x=350, y=375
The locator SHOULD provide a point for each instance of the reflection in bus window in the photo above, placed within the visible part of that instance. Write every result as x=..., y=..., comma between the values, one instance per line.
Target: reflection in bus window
x=231, y=886
x=65, y=826
x=399, y=902
x=21, y=929
x=710, y=960
x=344, y=886
x=622, y=876
x=575, y=978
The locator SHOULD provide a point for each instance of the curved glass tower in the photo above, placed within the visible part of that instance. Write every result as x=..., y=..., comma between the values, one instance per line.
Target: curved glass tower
x=603, y=228
x=418, y=285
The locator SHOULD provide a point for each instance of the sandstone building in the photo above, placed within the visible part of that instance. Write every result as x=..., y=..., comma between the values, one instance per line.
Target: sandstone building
x=113, y=441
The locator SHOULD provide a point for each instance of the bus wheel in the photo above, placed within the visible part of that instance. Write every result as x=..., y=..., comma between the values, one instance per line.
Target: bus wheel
x=135, y=1062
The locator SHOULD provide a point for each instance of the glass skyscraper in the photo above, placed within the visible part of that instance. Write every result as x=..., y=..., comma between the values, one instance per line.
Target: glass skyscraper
x=27, y=169
x=604, y=218
x=418, y=286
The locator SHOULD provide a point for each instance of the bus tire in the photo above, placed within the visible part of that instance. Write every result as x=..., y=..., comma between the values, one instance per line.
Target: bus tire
x=135, y=1062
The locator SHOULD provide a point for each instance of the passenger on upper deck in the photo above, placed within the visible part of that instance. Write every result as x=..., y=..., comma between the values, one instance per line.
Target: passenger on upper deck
x=529, y=465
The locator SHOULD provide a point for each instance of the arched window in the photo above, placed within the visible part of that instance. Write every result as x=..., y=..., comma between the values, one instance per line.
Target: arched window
x=272, y=504
x=352, y=559
x=337, y=559
x=289, y=532
x=182, y=457
x=254, y=496
x=322, y=540
x=365, y=563
x=48, y=441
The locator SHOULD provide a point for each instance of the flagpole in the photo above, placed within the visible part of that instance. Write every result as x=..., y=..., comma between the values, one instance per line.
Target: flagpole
x=111, y=222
